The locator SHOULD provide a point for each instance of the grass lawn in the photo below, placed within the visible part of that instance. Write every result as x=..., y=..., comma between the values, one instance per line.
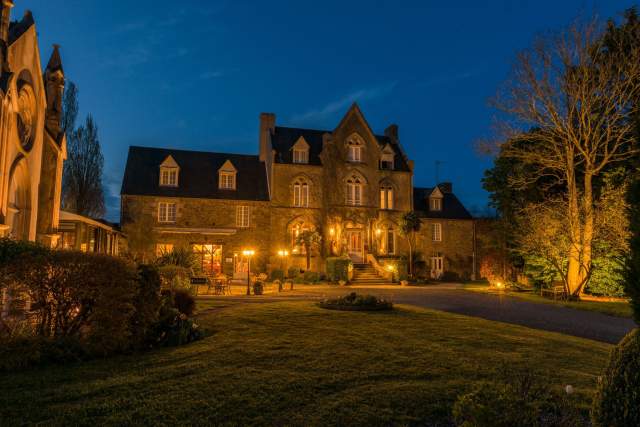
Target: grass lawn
x=296, y=364
x=619, y=309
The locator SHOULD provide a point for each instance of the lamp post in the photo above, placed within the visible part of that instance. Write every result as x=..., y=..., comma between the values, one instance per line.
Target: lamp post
x=248, y=253
x=391, y=269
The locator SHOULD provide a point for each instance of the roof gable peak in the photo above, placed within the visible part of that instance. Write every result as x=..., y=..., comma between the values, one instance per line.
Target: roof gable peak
x=301, y=144
x=355, y=110
x=436, y=193
x=169, y=162
x=227, y=166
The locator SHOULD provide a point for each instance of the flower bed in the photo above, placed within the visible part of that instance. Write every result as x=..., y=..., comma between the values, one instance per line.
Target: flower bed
x=355, y=302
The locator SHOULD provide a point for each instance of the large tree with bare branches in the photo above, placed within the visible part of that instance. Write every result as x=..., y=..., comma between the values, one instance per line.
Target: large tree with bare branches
x=568, y=116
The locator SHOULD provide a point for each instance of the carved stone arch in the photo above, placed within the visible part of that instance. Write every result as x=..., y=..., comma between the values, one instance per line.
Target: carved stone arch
x=355, y=172
x=386, y=182
x=355, y=139
x=19, y=199
x=301, y=177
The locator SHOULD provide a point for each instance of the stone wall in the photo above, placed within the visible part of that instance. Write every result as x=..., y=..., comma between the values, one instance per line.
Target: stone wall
x=456, y=246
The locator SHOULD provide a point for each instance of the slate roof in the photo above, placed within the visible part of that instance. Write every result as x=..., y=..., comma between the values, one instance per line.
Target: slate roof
x=18, y=28
x=198, y=175
x=283, y=139
x=452, y=208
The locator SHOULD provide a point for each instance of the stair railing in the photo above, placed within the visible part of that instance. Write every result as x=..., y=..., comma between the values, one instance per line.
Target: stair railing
x=380, y=270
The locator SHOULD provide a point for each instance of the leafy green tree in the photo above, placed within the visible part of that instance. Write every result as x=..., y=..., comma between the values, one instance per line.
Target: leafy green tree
x=308, y=240
x=409, y=226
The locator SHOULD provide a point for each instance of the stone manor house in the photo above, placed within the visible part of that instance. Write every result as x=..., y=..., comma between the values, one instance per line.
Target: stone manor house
x=350, y=185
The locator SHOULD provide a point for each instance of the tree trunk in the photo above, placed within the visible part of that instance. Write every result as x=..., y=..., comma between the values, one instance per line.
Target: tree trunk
x=410, y=257
x=572, y=281
x=587, y=233
x=308, y=251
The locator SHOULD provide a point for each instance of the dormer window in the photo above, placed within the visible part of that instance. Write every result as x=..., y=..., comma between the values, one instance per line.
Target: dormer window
x=355, y=146
x=386, y=158
x=301, y=151
x=169, y=172
x=435, y=204
x=227, y=176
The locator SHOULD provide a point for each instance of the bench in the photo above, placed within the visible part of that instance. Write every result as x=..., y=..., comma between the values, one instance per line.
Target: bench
x=556, y=292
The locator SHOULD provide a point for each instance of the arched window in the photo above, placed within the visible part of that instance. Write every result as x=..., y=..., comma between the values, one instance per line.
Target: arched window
x=301, y=193
x=386, y=196
x=354, y=148
x=354, y=191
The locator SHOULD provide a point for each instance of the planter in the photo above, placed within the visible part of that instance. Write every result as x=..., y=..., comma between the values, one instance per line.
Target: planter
x=404, y=283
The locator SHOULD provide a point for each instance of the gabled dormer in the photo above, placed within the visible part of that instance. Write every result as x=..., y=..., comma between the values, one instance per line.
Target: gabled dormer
x=355, y=148
x=227, y=176
x=435, y=200
x=169, y=172
x=300, y=151
x=387, y=157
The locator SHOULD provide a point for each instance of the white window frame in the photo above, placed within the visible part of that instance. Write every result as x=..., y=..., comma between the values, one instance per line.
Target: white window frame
x=227, y=180
x=436, y=232
x=386, y=197
x=167, y=212
x=242, y=216
x=300, y=156
x=354, y=192
x=355, y=152
x=435, y=204
x=168, y=177
x=301, y=194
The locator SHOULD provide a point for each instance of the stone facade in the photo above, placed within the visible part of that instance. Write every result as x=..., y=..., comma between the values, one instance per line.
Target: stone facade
x=349, y=185
x=32, y=144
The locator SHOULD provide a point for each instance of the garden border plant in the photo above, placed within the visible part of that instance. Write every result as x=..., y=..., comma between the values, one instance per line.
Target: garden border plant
x=355, y=302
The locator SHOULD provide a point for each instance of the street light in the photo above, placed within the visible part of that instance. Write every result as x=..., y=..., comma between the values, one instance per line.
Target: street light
x=248, y=253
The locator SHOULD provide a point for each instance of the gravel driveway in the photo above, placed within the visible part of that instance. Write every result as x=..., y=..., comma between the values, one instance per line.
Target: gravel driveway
x=452, y=298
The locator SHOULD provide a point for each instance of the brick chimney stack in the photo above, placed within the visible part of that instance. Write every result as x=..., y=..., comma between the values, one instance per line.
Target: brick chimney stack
x=267, y=126
x=446, y=187
x=392, y=132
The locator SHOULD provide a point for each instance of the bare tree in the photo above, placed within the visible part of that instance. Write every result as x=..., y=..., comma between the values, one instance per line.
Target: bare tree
x=82, y=177
x=578, y=97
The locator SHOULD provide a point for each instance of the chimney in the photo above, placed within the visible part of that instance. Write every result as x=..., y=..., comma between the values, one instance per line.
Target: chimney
x=392, y=132
x=446, y=187
x=267, y=126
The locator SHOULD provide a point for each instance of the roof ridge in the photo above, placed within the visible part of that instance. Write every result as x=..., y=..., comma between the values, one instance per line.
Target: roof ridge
x=193, y=151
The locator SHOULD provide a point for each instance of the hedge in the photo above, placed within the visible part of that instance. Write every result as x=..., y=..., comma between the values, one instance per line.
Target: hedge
x=338, y=268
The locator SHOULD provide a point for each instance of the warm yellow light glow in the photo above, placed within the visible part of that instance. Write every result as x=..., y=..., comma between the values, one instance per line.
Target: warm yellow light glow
x=390, y=268
x=498, y=284
x=378, y=231
x=283, y=253
x=295, y=250
x=332, y=231
x=248, y=252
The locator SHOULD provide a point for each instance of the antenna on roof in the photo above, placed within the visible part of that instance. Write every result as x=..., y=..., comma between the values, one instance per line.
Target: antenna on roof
x=438, y=163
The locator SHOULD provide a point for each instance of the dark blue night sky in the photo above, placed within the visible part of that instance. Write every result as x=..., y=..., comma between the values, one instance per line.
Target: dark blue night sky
x=196, y=74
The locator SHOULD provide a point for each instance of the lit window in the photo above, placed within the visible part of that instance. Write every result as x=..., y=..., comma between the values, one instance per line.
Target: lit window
x=391, y=241
x=242, y=216
x=386, y=197
x=163, y=248
x=301, y=156
x=435, y=204
x=169, y=177
x=354, y=191
x=166, y=212
x=301, y=194
x=228, y=180
x=436, y=232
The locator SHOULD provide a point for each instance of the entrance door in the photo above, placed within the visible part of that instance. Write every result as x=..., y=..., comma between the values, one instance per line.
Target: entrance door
x=354, y=243
x=209, y=257
x=437, y=267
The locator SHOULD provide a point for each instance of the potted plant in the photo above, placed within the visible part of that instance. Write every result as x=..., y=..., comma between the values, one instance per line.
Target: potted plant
x=258, y=288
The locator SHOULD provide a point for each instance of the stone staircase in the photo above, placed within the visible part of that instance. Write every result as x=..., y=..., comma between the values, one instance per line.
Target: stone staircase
x=365, y=274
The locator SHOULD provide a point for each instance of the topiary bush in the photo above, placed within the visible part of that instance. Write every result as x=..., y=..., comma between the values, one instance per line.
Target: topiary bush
x=258, y=288
x=311, y=277
x=617, y=399
x=293, y=272
x=277, y=275
x=338, y=268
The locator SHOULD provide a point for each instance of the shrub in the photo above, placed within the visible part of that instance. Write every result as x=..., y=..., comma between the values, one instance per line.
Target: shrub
x=183, y=302
x=617, y=399
x=277, y=275
x=450, y=276
x=293, y=272
x=146, y=304
x=311, y=277
x=519, y=402
x=180, y=257
x=258, y=289
x=174, y=328
x=354, y=301
x=338, y=268
x=175, y=277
